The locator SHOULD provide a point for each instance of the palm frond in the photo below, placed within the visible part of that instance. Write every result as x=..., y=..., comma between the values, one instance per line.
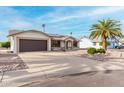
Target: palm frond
x=107, y=28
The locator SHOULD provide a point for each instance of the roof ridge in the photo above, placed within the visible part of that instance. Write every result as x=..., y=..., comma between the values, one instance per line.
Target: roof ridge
x=14, y=32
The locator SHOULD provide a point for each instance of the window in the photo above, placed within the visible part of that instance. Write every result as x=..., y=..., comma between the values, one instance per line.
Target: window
x=75, y=44
x=94, y=43
x=55, y=43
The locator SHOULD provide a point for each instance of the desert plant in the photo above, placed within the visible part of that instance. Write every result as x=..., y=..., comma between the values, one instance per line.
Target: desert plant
x=5, y=44
x=91, y=51
x=106, y=29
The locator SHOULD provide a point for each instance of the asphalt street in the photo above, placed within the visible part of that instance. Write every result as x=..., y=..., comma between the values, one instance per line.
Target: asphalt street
x=87, y=79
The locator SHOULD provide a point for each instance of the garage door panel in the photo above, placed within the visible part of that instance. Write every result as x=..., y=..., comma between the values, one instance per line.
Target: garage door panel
x=26, y=45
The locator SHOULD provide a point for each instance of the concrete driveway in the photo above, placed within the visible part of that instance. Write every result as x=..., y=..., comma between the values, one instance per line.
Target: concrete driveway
x=45, y=65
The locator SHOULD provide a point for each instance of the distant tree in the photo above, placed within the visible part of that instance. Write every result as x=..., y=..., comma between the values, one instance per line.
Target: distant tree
x=5, y=44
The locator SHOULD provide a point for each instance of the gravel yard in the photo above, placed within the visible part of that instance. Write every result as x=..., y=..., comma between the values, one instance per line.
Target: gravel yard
x=10, y=62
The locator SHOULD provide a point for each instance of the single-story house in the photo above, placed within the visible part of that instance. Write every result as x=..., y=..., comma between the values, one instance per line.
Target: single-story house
x=33, y=40
x=85, y=42
x=119, y=42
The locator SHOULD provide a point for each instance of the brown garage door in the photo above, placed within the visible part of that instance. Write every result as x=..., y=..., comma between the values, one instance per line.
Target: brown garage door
x=26, y=45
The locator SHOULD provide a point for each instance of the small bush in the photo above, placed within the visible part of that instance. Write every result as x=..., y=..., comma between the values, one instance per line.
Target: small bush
x=5, y=44
x=91, y=51
x=101, y=50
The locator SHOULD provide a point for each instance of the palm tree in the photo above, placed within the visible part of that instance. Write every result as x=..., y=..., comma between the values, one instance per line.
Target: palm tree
x=106, y=29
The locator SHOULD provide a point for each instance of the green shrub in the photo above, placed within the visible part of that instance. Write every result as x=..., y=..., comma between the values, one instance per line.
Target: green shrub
x=5, y=44
x=101, y=50
x=108, y=43
x=91, y=51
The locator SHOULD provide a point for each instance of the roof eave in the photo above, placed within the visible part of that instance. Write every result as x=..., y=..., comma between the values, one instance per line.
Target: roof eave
x=28, y=31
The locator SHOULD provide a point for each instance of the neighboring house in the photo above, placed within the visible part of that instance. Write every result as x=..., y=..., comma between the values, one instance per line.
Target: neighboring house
x=32, y=40
x=85, y=42
x=120, y=43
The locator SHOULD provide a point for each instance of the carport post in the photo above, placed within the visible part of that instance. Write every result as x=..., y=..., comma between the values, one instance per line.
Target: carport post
x=15, y=45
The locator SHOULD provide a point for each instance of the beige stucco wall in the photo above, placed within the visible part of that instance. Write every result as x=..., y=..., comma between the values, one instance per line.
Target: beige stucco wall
x=11, y=43
x=28, y=35
x=62, y=44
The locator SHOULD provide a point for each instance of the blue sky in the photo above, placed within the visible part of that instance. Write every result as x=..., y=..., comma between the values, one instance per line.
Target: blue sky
x=58, y=20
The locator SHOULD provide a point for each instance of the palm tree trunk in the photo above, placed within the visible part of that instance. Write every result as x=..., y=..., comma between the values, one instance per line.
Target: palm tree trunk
x=104, y=43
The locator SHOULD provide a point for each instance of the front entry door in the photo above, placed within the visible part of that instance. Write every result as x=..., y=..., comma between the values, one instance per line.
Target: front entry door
x=68, y=44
